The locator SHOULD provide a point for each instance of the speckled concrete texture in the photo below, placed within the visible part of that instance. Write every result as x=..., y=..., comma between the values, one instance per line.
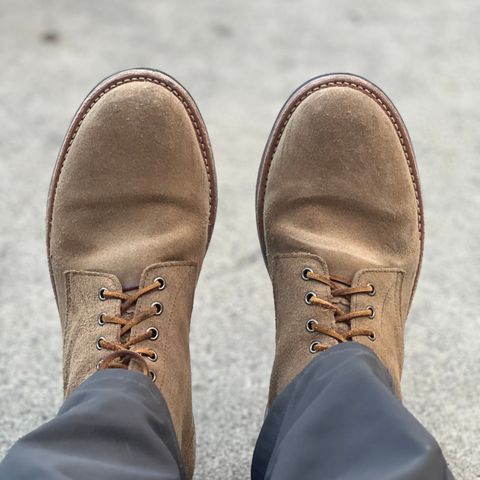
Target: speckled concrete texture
x=240, y=61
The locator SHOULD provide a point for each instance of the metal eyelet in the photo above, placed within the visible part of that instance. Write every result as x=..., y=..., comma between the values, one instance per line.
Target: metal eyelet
x=153, y=358
x=309, y=325
x=152, y=375
x=372, y=315
x=161, y=281
x=99, y=364
x=101, y=294
x=305, y=273
x=153, y=333
x=158, y=306
x=372, y=286
x=97, y=344
x=100, y=319
x=313, y=346
x=372, y=337
x=309, y=296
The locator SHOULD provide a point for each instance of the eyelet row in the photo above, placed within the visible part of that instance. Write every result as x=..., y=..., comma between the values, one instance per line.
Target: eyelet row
x=309, y=327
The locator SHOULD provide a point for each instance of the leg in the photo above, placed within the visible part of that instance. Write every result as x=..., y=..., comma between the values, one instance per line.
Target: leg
x=115, y=425
x=340, y=419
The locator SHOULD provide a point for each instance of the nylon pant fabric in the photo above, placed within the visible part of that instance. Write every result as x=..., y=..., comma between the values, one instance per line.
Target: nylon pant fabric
x=116, y=425
x=339, y=419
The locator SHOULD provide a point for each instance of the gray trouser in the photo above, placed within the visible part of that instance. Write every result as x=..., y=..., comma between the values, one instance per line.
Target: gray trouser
x=337, y=420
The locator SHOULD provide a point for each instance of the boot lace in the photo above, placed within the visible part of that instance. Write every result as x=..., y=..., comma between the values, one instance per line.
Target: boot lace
x=341, y=291
x=124, y=350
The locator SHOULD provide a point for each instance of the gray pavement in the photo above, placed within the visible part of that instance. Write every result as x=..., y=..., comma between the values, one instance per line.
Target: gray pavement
x=240, y=60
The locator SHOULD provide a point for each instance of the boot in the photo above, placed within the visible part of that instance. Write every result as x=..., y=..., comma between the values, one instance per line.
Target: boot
x=340, y=223
x=131, y=211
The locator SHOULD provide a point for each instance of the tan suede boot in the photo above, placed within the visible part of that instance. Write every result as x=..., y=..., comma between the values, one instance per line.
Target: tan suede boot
x=340, y=222
x=130, y=214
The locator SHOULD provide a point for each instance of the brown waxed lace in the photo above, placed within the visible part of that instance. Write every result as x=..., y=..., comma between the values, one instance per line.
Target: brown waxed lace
x=122, y=351
x=339, y=315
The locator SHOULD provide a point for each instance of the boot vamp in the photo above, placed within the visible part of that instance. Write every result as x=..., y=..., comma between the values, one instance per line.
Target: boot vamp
x=133, y=190
x=340, y=187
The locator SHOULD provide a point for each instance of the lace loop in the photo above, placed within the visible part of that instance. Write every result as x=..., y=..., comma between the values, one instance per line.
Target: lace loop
x=339, y=287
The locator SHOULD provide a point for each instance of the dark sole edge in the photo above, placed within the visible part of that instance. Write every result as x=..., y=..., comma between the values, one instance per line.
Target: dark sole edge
x=334, y=80
x=142, y=75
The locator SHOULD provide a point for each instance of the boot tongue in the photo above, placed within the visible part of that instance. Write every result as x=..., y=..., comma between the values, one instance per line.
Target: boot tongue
x=130, y=312
x=344, y=265
x=129, y=290
x=344, y=304
x=133, y=364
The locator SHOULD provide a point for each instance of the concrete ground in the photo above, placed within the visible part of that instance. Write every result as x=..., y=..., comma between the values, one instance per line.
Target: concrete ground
x=240, y=60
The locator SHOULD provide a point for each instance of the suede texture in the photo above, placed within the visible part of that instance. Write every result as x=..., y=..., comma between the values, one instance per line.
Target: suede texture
x=81, y=328
x=340, y=187
x=133, y=198
x=133, y=189
x=389, y=320
x=172, y=369
x=292, y=313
